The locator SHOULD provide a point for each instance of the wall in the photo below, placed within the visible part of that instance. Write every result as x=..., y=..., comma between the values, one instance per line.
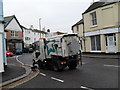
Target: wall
x=103, y=43
x=107, y=17
x=118, y=41
x=30, y=35
x=88, y=44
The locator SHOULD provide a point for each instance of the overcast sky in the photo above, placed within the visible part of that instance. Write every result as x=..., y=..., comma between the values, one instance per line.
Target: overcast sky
x=56, y=15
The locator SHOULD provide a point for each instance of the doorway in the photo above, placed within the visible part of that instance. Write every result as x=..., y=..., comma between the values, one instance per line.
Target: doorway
x=110, y=43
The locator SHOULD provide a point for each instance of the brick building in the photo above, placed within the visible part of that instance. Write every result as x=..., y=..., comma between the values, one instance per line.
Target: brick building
x=14, y=33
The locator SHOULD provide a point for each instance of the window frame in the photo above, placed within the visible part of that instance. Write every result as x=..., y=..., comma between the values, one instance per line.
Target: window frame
x=96, y=48
x=12, y=34
x=93, y=20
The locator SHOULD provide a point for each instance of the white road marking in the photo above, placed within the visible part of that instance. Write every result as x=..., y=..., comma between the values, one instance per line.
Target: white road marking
x=83, y=62
x=19, y=60
x=57, y=79
x=86, y=88
x=111, y=66
x=42, y=74
x=12, y=57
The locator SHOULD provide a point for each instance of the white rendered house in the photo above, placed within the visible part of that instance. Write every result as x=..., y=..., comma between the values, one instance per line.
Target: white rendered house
x=31, y=35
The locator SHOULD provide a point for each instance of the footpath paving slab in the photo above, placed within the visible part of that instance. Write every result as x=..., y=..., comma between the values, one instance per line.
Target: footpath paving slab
x=12, y=72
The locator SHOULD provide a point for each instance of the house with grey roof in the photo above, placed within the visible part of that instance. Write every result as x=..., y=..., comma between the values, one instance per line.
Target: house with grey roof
x=14, y=33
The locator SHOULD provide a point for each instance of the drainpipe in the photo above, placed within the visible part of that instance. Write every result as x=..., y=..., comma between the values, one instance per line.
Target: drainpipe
x=84, y=34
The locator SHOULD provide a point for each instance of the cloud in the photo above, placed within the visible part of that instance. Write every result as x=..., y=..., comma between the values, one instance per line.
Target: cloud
x=56, y=14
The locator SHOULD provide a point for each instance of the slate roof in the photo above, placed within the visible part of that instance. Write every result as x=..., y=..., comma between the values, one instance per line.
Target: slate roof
x=78, y=23
x=39, y=31
x=8, y=19
x=25, y=27
x=99, y=4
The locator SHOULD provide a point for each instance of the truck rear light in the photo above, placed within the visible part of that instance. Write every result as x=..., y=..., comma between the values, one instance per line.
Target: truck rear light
x=78, y=62
x=63, y=62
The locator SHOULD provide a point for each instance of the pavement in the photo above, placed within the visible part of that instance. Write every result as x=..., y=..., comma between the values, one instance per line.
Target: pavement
x=104, y=56
x=14, y=71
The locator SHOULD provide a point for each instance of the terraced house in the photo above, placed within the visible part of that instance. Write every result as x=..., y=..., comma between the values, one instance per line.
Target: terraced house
x=101, y=28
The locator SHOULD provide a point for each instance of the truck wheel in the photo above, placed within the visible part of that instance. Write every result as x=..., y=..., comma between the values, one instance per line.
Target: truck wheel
x=55, y=68
x=40, y=64
x=72, y=65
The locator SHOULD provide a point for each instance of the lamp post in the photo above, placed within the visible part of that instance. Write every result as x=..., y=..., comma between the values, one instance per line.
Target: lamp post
x=40, y=23
x=40, y=26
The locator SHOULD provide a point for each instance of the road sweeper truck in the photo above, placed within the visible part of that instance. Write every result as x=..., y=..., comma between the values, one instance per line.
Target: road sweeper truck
x=58, y=52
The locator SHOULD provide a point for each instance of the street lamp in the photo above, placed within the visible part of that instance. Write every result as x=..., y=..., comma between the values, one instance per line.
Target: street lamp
x=40, y=23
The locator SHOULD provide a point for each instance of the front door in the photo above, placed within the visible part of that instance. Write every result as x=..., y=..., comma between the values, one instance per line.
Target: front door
x=110, y=43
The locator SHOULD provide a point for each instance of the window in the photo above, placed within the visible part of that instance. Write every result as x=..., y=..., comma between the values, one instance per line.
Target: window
x=14, y=33
x=95, y=43
x=93, y=18
x=27, y=38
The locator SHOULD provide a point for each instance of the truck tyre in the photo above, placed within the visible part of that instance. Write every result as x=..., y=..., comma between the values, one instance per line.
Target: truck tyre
x=72, y=65
x=55, y=68
x=40, y=64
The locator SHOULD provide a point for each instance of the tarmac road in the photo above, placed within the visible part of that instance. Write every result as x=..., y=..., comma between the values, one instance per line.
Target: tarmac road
x=94, y=73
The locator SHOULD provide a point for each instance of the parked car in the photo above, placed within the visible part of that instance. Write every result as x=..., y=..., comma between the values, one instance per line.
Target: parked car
x=8, y=53
x=25, y=50
x=30, y=50
x=17, y=51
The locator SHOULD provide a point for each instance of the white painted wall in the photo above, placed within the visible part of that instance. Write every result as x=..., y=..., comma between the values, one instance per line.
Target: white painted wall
x=13, y=25
x=36, y=36
x=30, y=35
x=33, y=35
